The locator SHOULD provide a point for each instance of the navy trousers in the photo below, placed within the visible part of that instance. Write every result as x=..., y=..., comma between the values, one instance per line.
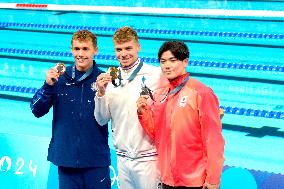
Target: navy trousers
x=84, y=178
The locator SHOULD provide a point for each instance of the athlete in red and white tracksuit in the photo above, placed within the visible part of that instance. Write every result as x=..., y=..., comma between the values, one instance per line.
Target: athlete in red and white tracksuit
x=186, y=128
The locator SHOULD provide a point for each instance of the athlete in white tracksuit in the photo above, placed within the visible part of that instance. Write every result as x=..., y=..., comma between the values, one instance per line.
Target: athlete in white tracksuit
x=136, y=153
x=116, y=102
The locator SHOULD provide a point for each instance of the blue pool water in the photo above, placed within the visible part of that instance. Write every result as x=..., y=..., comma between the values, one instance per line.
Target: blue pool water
x=241, y=58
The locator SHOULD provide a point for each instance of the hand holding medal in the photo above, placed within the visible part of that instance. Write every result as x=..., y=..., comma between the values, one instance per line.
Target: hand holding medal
x=142, y=103
x=145, y=90
x=53, y=74
x=103, y=79
x=114, y=73
x=61, y=68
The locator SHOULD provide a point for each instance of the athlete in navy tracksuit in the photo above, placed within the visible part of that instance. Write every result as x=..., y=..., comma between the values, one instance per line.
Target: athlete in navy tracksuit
x=79, y=146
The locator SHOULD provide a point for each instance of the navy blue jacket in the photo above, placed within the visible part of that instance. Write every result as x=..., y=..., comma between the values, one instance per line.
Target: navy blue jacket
x=77, y=139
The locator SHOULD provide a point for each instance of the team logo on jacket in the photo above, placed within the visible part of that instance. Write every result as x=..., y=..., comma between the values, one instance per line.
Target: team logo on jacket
x=93, y=86
x=182, y=101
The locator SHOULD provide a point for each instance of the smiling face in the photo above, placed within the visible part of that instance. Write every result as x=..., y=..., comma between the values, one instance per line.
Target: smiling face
x=127, y=52
x=83, y=52
x=171, y=66
x=126, y=46
x=84, y=48
x=173, y=56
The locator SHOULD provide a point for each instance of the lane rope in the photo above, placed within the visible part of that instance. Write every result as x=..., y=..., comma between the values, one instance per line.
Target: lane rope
x=227, y=109
x=214, y=64
x=143, y=30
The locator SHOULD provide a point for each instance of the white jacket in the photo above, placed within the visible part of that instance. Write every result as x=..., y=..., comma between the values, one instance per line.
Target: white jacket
x=119, y=105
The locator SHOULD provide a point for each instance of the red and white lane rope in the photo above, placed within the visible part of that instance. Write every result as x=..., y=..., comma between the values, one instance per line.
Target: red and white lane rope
x=31, y=6
x=148, y=10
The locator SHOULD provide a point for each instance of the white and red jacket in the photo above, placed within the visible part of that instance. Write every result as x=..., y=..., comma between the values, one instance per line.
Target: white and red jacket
x=187, y=131
x=118, y=105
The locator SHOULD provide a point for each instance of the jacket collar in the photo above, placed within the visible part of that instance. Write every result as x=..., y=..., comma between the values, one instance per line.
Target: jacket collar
x=176, y=81
x=69, y=70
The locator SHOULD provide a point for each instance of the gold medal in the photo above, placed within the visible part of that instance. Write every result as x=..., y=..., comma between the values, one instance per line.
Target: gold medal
x=113, y=72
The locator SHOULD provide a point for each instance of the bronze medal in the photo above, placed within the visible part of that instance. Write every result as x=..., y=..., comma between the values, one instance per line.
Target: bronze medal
x=61, y=68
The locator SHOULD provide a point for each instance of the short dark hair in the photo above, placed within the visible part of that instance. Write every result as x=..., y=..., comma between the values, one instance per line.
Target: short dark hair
x=178, y=48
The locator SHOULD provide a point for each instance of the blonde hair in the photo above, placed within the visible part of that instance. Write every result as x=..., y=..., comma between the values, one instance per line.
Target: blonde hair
x=83, y=36
x=125, y=34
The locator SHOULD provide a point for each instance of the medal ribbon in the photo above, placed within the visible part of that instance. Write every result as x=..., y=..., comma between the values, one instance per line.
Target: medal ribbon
x=179, y=87
x=134, y=73
x=86, y=74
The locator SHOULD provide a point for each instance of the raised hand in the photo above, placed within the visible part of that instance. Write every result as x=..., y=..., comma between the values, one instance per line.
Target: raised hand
x=142, y=103
x=101, y=83
x=51, y=76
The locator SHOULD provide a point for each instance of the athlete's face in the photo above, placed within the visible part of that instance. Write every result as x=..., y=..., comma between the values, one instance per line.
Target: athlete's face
x=127, y=53
x=171, y=66
x=83, y=52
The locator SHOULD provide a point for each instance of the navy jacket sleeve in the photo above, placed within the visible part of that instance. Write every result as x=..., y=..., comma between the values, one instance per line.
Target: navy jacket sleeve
x=42, y=100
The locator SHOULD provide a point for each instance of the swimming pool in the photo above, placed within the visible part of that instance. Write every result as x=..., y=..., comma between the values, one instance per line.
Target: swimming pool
x=241, y=58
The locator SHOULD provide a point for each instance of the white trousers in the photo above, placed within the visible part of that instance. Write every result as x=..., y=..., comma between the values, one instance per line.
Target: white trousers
x=135, y=174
